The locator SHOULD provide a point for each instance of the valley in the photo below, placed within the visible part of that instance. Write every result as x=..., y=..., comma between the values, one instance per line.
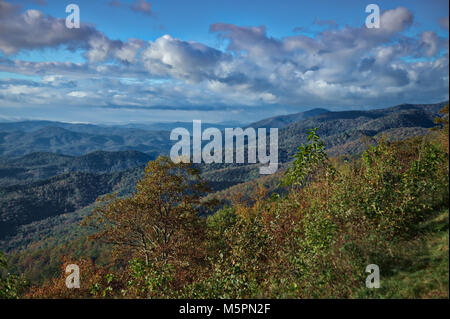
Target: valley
x=45, y=195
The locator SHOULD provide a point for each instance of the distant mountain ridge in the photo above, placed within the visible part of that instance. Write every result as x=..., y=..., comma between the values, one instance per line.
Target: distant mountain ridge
x=169, y=126
x=105, y=129
x=281, y=121
x=20, y=138
x=342, y=131
x=63, y=141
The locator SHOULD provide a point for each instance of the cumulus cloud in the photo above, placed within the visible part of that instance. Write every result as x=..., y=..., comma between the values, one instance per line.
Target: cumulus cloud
x=339, y=66
x=180, y=59
x=429, y=43
x=31, y=29
x=396, y=20
x=128, y=51
x=349, y=63
x=252, y=40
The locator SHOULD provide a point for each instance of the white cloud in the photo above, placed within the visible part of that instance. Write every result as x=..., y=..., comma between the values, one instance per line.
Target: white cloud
x=31, y=29
x=180, y=59
x=79, y=94
x=347, y=66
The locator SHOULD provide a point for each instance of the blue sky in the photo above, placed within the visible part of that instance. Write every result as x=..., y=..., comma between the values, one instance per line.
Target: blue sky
x=140, y=61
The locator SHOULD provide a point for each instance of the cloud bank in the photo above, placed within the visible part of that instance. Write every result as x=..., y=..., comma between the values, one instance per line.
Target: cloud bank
x=340, y=66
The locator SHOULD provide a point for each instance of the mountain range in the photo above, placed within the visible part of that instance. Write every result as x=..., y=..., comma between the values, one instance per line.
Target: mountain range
x=51, y=169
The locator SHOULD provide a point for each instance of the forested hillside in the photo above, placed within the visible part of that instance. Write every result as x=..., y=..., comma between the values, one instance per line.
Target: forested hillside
x=58, y=176
x=376, y=167
x=38, y=166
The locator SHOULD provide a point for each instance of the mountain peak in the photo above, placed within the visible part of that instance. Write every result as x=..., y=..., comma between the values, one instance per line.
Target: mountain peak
x=284, y=120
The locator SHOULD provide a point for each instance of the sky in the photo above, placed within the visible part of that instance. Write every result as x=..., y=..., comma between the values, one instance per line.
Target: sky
x=214, y=60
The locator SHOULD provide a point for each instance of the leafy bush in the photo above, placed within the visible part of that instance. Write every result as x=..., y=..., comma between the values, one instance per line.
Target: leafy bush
x=11, y=286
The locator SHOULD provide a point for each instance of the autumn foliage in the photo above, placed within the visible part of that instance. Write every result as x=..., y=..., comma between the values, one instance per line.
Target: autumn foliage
x=312, y=242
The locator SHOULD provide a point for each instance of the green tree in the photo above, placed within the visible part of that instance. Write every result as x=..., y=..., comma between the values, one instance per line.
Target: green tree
x=159, y=223
x=309, y=160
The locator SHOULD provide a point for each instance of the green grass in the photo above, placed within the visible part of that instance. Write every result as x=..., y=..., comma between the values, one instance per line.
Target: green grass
x=423, y=264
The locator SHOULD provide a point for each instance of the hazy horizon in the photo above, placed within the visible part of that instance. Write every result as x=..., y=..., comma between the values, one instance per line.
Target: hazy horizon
x=178, y=61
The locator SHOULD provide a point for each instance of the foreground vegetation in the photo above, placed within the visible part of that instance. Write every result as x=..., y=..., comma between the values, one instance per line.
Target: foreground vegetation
x=388, y=207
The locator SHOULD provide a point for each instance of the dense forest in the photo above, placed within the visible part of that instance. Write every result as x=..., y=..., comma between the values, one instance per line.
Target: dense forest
x=308, y=231
x=38, y=190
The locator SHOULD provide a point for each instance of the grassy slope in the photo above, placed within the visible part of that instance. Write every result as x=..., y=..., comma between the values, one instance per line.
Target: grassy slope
x=424, y=270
